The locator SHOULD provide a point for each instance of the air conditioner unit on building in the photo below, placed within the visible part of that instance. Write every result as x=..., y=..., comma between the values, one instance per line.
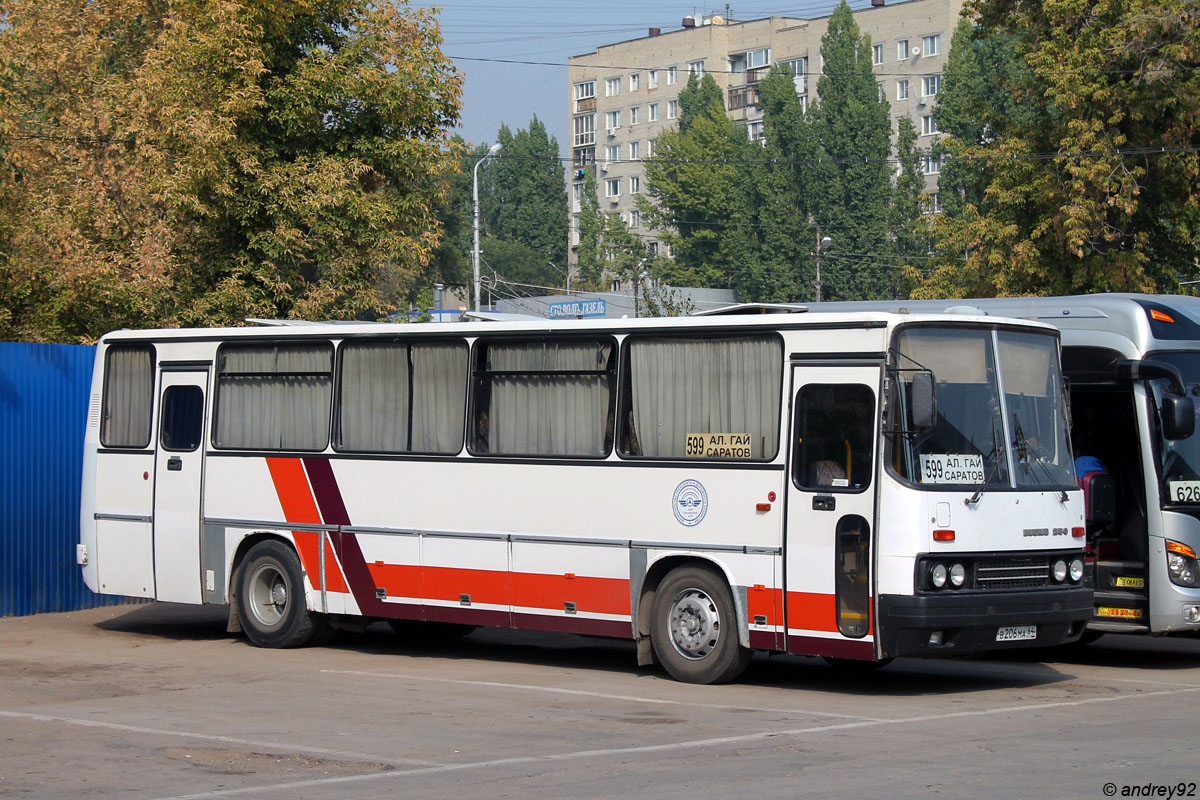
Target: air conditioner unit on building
x=604, y=167
x=614, y=200
x=612, y=132
x=916, y=51
x=920, y=101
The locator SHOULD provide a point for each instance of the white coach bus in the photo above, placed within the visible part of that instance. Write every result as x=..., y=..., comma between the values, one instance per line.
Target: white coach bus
x=854, y=486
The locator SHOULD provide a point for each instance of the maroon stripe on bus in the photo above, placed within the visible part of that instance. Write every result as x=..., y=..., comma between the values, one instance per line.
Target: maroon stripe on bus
x=325, y=489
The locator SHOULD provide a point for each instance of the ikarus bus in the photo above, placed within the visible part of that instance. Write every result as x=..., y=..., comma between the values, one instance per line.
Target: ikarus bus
x=855, y=486
x=1133, y=363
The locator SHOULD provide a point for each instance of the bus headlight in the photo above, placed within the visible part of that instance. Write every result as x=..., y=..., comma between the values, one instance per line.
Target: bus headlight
x=958, y=575
x=1059, y=571
x=1077, y=570
x=937, y=576
x=1181, y=564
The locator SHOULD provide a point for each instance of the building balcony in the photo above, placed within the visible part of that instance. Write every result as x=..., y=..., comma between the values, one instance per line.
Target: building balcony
x=585, y=105
x=743, y=97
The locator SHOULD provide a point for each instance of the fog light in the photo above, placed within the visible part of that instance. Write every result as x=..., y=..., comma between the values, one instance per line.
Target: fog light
x=937, y=576
x=1191, y=614
x=935, y=638
x=1059, y=571
x=1077, y=569
x=958, y=575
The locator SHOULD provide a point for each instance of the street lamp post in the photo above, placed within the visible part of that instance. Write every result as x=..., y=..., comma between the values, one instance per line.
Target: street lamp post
x=439, y=287
x=475, y=188
x=822, y=243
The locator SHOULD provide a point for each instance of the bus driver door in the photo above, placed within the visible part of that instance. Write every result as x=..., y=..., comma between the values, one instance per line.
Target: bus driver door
x=831, y=509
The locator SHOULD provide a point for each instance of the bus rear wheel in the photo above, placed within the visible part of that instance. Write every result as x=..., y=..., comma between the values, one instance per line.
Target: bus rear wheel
x=271, y=605
x=694, y=631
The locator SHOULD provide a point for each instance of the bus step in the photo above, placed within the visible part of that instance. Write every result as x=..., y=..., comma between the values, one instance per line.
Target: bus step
x=1117, y=627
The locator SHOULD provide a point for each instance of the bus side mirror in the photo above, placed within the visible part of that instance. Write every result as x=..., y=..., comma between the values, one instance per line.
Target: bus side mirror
x=924, y=401
x=1178, y=417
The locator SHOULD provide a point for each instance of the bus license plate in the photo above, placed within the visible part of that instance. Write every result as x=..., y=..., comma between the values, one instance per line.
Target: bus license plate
x=1019, y=633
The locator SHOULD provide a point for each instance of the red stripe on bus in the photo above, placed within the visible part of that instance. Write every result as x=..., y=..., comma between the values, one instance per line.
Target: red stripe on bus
x=296, y=500
x=765, y=602
x=818, y=612
x=521, y=589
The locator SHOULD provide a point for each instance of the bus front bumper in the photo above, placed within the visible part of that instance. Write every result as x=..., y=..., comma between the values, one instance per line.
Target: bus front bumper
x=926, y=625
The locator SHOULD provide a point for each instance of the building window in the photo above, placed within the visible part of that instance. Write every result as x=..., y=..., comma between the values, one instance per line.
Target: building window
x=635, y=150
x=583, y=157
x=877, y=54
x=696, y=68
x=612, y=87
x=932, y=164
x=931, y=45
x=902, y=50
x=799, y=68
x=672, y=76
x=902, y=90
x=652, y=79
x=634, y=80
x=931, y=85
x=928, y=125
x=585, y=90
x=754, y=131
x=612, y=187
x=652, y=111
x=614, y=153
x=652, y=247
x=612, y=119
x=635, y=184
x=650, y=147
x=635, y=219
x=585, y=130
x=635, y=115
x=879, y=89
x=935, y=203
x=672, y=109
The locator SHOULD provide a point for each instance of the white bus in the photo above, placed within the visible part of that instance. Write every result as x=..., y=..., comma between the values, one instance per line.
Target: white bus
x=854, y=486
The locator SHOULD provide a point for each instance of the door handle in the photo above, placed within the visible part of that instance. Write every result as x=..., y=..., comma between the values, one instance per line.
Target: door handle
x=175, y=464
x=824, y=502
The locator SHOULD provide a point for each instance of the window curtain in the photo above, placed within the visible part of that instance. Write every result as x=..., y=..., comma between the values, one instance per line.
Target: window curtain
x=128, y=397
x=275, y=398
x=439, y=397
x=374, y=408
x=713, y=386
x=549, y=414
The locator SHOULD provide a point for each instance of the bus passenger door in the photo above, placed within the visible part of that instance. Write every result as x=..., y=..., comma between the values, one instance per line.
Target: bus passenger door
x=831, y=509
x=178, y=474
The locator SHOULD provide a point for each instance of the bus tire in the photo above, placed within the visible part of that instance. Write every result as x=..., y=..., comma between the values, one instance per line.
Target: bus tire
x=271, y=603
x=694, y=629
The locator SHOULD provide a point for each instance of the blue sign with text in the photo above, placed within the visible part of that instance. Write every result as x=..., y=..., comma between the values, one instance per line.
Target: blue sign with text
x=579, y=308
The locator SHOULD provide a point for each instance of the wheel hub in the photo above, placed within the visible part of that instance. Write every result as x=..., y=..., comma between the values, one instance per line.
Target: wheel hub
x=695, y=624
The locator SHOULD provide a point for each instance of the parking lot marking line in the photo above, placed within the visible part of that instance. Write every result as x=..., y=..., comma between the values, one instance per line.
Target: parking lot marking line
x=601, y=695
x=1157, y=683
x=277, y=746
x=666, y=747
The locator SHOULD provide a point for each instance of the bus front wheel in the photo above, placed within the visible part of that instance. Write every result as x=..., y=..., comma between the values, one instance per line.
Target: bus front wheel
x=271, y=604
x=695, y=633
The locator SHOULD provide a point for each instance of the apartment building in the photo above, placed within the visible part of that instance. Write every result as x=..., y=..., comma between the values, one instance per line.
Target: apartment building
x=624, y=95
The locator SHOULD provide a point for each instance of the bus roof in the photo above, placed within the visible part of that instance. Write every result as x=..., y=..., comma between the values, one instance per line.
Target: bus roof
x=847, y=318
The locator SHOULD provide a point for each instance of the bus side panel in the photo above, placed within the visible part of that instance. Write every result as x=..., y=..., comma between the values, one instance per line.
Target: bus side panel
x=124, y=532
x=575, y=588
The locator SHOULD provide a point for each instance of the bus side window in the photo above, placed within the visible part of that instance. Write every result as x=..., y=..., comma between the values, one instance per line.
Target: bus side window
x=128, y=397
x=834, y=437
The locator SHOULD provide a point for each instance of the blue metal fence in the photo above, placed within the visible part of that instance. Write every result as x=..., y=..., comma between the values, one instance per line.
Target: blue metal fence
x=43, y=413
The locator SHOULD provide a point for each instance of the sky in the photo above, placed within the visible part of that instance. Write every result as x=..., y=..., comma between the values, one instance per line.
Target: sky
x=480, y=36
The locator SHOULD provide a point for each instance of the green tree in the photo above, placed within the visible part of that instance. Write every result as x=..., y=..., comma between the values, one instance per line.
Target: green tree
x=1101, y=192
x=910, y=238
x=851, y=188
x=695, y=191
x=523, y=198
x=207, y=160
x=591, y=227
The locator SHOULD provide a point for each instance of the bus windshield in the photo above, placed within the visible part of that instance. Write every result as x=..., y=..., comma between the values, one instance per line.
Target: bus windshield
x=979, y=375
x=1179, y=460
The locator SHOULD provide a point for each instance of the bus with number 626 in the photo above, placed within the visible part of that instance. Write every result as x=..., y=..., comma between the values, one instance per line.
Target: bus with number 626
x=854, y=486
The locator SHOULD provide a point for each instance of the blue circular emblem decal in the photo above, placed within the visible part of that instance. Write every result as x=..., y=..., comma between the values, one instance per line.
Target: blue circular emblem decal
x=690, y=503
